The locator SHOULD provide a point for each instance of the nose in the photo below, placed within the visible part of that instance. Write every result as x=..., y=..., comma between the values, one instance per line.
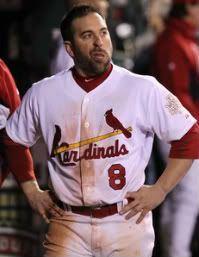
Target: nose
x=98, y=41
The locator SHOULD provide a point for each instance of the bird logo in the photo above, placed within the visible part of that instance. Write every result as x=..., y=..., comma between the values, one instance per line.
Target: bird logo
x=114, y=123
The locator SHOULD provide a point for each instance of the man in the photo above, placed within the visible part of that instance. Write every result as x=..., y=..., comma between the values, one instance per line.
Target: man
x=98, y=121
x=60, y=60
x=175, y=65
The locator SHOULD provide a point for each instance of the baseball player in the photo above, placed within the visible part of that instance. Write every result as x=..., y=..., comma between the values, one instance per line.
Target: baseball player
x=98, y=122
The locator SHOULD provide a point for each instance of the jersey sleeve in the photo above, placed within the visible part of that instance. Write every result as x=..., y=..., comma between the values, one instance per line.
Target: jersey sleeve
x=16, y=158
x=23, y=125
x=168, y=118
x=9, y=93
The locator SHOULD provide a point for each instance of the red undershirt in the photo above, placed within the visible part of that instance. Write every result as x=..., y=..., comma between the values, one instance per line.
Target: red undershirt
x=88, y=84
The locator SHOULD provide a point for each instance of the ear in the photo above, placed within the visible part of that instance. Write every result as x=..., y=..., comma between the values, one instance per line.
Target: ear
x=68, y=47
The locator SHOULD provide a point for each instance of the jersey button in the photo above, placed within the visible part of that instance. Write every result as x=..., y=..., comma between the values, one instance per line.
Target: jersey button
x=86, y=124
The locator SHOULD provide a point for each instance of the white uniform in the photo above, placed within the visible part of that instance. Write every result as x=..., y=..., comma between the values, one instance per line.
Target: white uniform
x=100, y=142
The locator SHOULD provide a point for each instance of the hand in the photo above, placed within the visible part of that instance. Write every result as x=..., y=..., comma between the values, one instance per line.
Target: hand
x=40, y=201
x=43, y=204
x=142, y=201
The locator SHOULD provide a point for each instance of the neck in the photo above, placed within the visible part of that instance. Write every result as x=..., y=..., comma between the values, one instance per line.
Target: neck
x=90, y=75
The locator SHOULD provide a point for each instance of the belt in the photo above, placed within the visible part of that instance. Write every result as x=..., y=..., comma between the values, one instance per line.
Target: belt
x=95, y=212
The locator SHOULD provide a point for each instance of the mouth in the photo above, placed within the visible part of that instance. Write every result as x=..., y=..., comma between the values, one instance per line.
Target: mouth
x=98, y=55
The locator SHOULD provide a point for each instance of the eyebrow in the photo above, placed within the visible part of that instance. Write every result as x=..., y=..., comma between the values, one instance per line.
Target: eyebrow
x=91, y=31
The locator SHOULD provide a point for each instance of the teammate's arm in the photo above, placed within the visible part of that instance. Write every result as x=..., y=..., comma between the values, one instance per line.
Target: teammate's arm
x=147, y=198
x=19, y=161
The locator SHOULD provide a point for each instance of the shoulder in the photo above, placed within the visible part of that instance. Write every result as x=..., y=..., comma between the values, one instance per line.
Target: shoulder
x=51, y=83
x=131, y=79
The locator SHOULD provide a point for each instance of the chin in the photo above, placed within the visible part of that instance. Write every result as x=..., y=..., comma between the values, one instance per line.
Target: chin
x=101, y=67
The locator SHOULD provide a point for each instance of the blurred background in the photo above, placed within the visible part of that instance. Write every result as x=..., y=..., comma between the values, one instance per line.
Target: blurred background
x=29, y=43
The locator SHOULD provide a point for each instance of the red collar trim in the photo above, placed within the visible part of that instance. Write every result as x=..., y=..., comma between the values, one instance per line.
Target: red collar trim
x=88, y=84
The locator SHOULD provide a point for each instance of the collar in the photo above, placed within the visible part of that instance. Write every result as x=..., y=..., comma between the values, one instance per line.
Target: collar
x=90, y=83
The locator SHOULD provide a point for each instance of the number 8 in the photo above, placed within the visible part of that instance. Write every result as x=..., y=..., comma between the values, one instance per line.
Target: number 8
x=117, y=179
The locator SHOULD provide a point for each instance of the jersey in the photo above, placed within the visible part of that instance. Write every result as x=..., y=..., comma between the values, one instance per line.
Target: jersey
x=9, y=100
x=99, y=142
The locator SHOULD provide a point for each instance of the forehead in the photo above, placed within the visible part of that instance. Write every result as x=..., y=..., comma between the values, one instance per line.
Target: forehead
x=92, y=21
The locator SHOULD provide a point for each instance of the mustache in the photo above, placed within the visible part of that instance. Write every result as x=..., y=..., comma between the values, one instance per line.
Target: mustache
x=98, y=50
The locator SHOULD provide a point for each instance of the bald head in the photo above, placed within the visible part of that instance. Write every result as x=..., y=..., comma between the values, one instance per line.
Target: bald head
x=101, y=5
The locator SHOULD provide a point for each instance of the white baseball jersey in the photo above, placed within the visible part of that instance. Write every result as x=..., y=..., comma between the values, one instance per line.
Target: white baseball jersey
x=99, y=143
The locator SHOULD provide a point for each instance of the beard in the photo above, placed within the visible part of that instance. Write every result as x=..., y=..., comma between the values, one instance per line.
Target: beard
x=93, y=65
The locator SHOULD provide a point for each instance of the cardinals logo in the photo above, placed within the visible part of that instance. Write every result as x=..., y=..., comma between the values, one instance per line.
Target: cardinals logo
x=68, y=154
x=115, y=124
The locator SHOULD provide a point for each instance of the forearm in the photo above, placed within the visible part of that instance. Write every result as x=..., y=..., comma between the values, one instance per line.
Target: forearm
x=175, y=170
x=30, y=186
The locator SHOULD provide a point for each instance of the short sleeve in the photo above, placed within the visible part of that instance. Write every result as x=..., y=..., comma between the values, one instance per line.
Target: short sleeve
x=23, y=125
x=168, y=118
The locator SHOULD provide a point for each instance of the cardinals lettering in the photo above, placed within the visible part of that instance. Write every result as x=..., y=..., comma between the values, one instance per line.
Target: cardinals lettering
x=69, y=157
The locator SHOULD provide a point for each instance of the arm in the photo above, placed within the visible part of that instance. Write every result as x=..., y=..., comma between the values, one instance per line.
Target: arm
x=19, y=160
x=149, y=197
x=40, y=200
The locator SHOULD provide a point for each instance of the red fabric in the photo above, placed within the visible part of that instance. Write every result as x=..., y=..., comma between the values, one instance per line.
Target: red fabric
x=188, y=146
x=93, y=82
x=16, y=158
x=9, y=95
x=175, y=63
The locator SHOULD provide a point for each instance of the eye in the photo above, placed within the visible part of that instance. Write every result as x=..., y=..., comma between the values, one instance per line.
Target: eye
x=104, y=32
x=87, y=35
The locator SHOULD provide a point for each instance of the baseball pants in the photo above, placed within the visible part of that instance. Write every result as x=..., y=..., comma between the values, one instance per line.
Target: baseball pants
x=74, y=235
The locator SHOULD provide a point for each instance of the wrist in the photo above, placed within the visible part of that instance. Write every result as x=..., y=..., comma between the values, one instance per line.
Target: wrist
x=30, y=187
x=161, y=188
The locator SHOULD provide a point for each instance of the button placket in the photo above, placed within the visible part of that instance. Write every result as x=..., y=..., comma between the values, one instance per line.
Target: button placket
x=88, y=178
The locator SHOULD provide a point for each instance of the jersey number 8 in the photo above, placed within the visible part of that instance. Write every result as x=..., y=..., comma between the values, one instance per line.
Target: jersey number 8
x=117, y=179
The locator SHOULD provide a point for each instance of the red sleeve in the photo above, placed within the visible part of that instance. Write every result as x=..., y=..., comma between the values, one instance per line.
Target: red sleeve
x=188, y=146
x=18, y=159
x=9, y=92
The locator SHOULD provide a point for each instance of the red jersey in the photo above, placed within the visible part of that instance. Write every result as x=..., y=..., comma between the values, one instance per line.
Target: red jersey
x=15, y=158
